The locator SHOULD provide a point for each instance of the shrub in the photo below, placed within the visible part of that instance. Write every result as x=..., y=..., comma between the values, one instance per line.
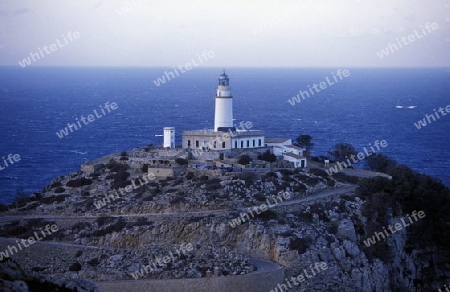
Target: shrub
x=54, y=199
x=60, y=190
x=342, y=177
x=93, y=262
x=80, y=226
x=248, y=177
x=116, y=167
x=190, y=175
x=244, y=160
x=271, y=174
x=75, y=267
x=286, y=172
x=267, y=215
x=120, y=184
x=179, y=198
x=267, y=156
x=103, y=220
x=79, y=182
x=299, y=188
x=94, y=175
x=141, y=221
x=55, y=184
x=300, y=244
x=116, y=227
x=318, y=172
x=213, y=187
x=307, y=179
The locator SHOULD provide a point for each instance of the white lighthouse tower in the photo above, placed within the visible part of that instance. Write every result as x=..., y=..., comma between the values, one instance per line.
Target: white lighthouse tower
x=223, y=118
x=169, y=137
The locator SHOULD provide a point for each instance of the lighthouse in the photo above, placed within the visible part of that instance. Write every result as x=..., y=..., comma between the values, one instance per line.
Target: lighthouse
x=223, y=118
x=225, y=136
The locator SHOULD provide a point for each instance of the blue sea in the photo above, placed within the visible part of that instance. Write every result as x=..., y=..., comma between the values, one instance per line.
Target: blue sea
x=37, y=102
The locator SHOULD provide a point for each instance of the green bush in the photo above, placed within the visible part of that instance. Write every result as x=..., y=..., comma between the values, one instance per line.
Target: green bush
x=300, y=244
x=115, y=227
x=318, y=172
x=59, y=190
x=244, y=160
x=267, y=156
x=79, y=182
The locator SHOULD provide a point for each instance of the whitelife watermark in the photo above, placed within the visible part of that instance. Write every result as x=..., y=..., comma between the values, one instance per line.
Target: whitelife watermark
x=185, y=248
x=129, y=6
x=276, y=19
x=259, y=209
x=244, y=126
x=10, y=250
x=319, y=267
x=360, y=156
x=205, y=56
x=323, y=85
x=114, y=195
x=10, y=158
x=86, y=120
x=411, y=38
x=49, y=49
x=398, y=227
x=423, y=123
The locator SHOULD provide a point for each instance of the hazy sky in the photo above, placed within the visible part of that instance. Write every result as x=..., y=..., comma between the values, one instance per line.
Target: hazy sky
x=296, y=33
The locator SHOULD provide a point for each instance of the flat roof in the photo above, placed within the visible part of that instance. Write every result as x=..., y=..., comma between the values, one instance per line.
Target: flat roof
x=294, y=147
x=294, y=155
x=276, y=140
x=211, y=133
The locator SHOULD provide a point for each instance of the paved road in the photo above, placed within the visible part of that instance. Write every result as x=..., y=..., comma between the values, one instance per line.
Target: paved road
x=12, y=241
x=323, y=194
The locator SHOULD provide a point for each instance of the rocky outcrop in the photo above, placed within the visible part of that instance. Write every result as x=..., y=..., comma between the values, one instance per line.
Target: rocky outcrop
x=13, y=279
x=149, y=222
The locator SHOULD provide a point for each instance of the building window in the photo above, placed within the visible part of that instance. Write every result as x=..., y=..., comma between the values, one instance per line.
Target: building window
x=242, y=144
x=235, y=144
x=223, y=144
x=215, y=144
x=254, y=143
x=189, y=143
x=196, y=144
x=259, y=142
x=248, y=143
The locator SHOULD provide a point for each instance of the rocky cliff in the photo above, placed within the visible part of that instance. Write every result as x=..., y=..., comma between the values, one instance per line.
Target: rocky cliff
x=308, y=218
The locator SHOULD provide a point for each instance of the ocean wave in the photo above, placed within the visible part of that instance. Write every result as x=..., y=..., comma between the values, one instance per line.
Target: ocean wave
x=78, y=152
x=9, y=177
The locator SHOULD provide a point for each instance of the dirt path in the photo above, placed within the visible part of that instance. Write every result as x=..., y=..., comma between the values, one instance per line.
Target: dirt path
x=320, y=195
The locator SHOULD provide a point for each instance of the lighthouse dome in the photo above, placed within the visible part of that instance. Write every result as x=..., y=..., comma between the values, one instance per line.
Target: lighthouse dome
x=224, y=80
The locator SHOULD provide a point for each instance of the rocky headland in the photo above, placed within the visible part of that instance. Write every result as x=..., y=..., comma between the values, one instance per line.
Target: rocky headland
x=137, y=233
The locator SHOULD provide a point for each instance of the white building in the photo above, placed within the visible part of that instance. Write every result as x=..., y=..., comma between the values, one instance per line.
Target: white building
x=283, y=147
x=169, y=137
x=225, y=135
